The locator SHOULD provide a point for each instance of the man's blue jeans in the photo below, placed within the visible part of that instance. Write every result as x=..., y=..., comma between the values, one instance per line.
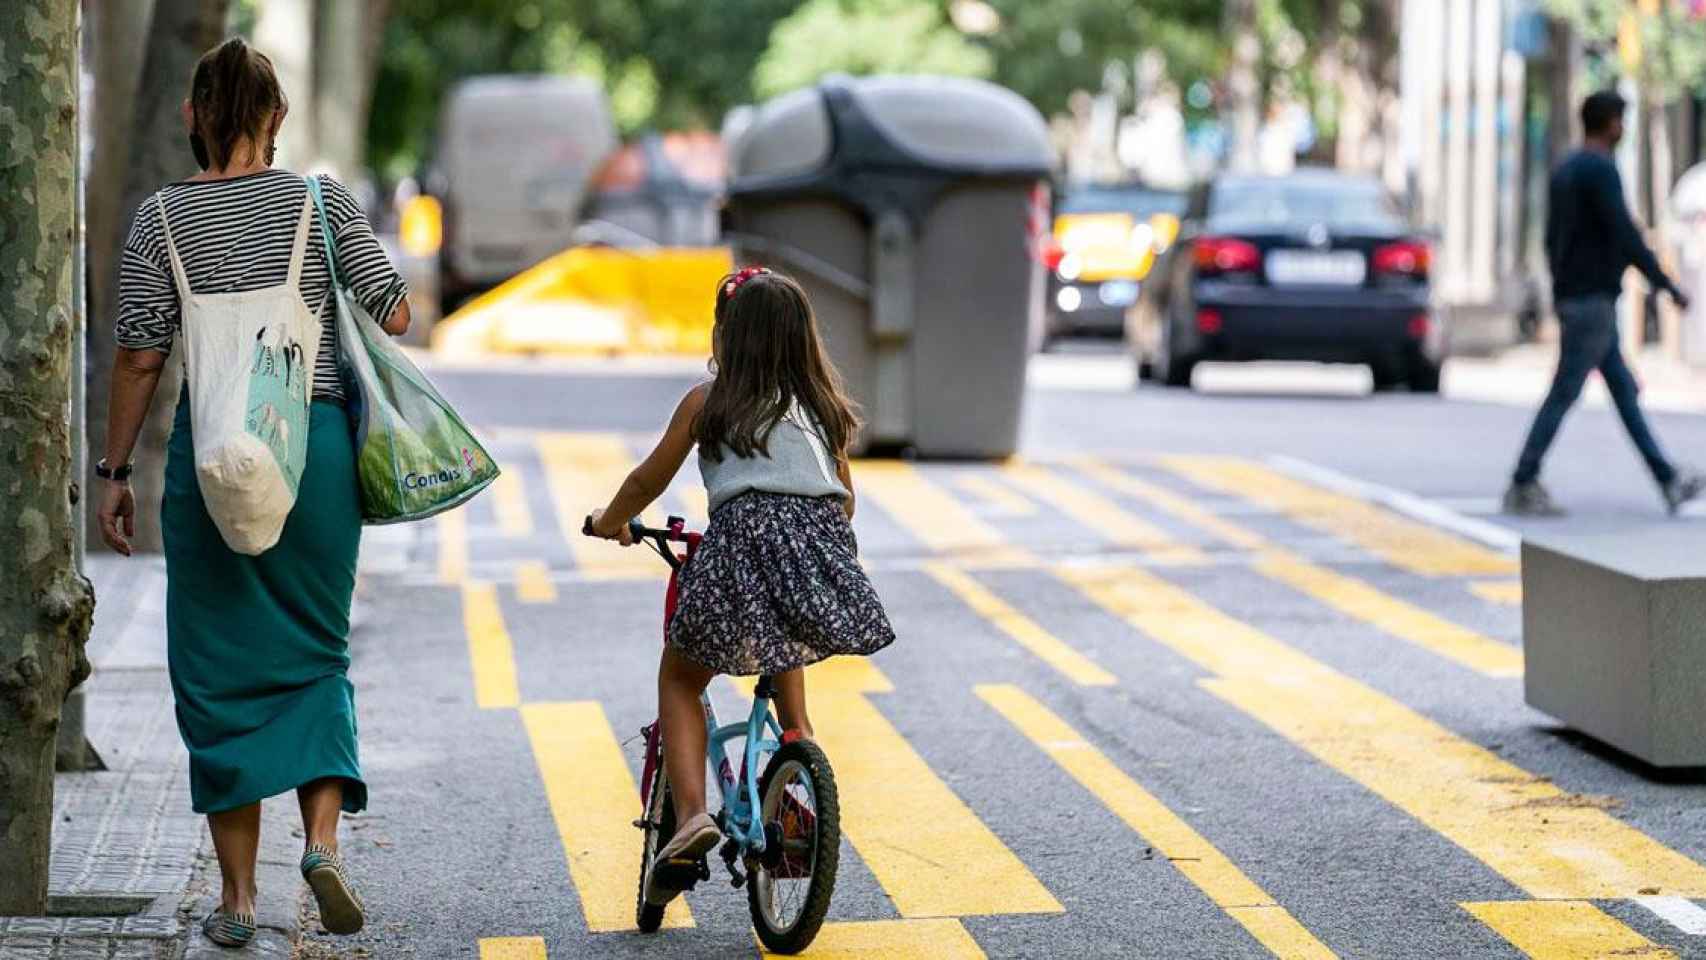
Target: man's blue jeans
x=1590, y=342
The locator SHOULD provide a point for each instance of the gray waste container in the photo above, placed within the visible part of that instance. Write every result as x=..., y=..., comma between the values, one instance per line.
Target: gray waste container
x=906, y=206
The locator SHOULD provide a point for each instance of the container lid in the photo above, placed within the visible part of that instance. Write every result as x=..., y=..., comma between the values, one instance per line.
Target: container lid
x=932, y=123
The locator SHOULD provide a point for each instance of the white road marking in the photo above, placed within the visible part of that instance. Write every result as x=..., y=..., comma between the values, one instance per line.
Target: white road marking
x=1420, y=508
x=1679, y=912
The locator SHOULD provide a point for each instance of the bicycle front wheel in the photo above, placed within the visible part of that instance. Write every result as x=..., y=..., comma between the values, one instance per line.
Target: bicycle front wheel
x=794, y=877
x=659, y=825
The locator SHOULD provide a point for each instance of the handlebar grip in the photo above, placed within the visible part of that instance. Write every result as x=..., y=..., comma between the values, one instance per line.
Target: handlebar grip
x=635, y=527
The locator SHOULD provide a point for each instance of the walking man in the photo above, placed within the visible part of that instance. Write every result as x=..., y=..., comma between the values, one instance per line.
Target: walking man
x=1590, y=242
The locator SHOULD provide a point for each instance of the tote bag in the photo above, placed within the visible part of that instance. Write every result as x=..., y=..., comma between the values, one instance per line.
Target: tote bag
x=414, y=456
x=249, y=359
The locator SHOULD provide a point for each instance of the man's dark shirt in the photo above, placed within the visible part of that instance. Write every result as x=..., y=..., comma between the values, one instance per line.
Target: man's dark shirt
x=1590, y=237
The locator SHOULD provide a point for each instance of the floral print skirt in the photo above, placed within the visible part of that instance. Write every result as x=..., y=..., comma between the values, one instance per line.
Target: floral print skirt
x=775, y=586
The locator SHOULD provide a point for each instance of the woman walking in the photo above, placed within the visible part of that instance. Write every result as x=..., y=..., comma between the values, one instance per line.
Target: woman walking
x=257, y=645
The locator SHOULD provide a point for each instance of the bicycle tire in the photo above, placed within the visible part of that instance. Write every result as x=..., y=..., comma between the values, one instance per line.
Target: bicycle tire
x=826, y=849
x=660, y=811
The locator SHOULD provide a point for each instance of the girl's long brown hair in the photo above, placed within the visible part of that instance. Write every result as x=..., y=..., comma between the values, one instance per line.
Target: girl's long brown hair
x=768, y=354
x=234, y=93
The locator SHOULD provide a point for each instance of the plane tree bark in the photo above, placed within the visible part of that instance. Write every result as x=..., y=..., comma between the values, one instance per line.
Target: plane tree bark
x=45, y=605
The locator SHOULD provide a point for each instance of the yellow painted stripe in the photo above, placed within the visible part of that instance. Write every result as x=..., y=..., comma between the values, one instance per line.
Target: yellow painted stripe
x=594, y=801
x=930, y=852
x=1349, y=595
x=940, y=522
x=452, y=545
x=1199, y=860
x=897, y=939
x=1404, y=543
x=995, y=496
x=489, y=650
x=1499, y=591
x=509, y=499
x=1023, y=630
x=1549, y=843
x=697, y=505
x=533, y=583
x=1565, y=930
x=1179, y=506
x=1403, y=620
x=512, y=948
x=1107, y=519
x=582, y=472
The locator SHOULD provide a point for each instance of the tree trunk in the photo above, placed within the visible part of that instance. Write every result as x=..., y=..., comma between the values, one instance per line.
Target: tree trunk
x=285, y=33
x=182, y=30
x=346, y=62
x=1243, y=86
x=117, y=31
x=45, y=606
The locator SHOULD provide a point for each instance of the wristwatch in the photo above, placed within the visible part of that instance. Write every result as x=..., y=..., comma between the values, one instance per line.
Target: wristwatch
x=120, y=474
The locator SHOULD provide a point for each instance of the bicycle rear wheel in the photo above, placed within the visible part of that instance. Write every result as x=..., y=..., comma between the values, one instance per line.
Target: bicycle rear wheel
x=659, y=826
x=794, y=878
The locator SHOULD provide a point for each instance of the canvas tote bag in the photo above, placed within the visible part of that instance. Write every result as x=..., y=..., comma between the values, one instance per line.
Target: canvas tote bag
x=414, y=456
x=249, y=359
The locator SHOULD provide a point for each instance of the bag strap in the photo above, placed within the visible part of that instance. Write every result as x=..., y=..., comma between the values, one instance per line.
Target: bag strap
x=299, y=246
x=178, y=275
x=325, y=230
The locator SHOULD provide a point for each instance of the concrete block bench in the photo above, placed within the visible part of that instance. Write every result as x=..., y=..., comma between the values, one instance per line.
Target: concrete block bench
x=1614, y=637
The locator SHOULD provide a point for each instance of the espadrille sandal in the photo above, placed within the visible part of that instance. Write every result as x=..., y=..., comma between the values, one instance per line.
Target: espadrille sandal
x=341, y=911
x=229, y=929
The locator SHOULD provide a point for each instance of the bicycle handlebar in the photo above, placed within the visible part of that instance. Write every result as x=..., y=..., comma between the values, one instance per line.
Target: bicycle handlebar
x=658, y=540
x=675, y=534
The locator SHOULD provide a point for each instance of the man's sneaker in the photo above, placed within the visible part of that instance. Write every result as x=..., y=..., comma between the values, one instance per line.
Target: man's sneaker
x=1530, y=500
x=1685, y=486
x=678, y=866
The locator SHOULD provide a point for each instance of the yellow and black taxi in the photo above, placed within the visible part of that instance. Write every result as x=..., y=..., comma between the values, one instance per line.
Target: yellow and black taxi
x=1104, y=241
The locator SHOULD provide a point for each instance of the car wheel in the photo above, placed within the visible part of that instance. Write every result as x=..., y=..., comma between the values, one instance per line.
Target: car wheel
x=1424, y=376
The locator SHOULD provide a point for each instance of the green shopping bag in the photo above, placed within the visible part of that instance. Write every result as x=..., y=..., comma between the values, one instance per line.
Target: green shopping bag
x=414, y=456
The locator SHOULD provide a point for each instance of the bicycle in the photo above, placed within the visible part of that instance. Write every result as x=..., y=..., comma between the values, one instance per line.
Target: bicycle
x=783, y=827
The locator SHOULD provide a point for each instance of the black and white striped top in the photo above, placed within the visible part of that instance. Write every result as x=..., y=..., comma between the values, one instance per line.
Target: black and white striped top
x=235, y=235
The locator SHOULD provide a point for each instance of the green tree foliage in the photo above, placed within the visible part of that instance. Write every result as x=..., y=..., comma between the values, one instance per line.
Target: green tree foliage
x=865, y=37
x=1672, y=41
x=1045, y=51
x=665, y=63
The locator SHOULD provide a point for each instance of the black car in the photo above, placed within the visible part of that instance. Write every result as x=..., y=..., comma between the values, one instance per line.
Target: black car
x=1315, y=265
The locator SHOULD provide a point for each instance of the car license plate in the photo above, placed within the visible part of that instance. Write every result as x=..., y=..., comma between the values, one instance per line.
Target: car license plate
x=1339, y=268
x=1119, y=293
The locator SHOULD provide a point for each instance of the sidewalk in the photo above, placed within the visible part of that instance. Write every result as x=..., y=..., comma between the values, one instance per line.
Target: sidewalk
x=133, y=869
x=1521, y=375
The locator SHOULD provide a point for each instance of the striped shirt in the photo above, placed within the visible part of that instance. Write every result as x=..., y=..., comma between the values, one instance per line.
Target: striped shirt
x=235, y=235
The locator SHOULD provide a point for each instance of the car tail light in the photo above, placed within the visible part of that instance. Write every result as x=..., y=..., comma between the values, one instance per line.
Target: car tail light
x=1419, y=326
x=1209, y=322
x=1406, y=258
x=1226, y=255
x=1053, y=253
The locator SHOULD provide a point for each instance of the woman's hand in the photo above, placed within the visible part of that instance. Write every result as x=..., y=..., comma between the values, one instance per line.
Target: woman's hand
x=118, y=507
x=621, y=534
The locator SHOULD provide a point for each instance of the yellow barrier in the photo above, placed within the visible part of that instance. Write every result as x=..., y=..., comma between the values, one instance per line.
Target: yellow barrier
x=595, y=300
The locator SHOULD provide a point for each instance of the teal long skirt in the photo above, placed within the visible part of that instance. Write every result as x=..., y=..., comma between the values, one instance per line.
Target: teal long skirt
x=258, y=647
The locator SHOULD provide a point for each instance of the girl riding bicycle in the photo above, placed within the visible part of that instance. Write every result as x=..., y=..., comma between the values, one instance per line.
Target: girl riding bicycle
x=776, y=584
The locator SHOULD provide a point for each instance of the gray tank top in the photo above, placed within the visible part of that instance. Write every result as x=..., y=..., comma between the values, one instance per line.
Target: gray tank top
x=799, y=463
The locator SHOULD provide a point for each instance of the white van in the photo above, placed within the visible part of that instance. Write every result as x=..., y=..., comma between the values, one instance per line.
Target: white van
x=515, y=155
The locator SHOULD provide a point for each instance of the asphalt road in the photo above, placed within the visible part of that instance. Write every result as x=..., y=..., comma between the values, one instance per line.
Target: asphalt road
x=1153, y=696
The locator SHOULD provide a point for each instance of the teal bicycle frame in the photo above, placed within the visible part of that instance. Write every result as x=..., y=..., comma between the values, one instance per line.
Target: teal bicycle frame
x=738, y=817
